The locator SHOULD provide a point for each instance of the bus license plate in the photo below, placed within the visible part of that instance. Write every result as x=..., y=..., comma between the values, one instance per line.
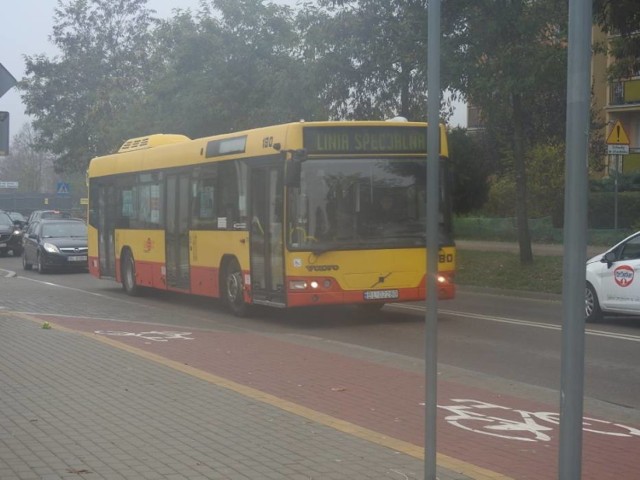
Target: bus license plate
x=78, y=258
x=381, y=294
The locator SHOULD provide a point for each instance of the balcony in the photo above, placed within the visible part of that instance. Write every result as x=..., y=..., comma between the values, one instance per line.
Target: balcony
x=625, y=92
x=631, y=162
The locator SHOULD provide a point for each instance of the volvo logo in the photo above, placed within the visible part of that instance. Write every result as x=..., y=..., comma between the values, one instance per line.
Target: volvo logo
x=322, y=268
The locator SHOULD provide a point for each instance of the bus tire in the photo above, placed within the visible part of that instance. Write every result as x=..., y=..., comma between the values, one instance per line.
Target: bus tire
x=592, y=311
x=128, y=272
x=233, y=289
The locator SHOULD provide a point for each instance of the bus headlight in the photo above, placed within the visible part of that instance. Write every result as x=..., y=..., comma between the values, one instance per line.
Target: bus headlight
x=297, y=285
x=314, y=284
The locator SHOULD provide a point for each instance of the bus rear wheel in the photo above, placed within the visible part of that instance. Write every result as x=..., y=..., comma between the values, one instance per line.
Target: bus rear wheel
x=128, y=272
x=233, y=289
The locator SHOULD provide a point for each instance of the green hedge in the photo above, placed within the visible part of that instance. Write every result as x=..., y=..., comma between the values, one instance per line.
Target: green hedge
x=602, y=210
x=541, y=230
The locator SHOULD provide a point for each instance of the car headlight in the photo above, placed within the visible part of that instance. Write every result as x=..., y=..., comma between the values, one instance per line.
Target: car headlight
x=51, y=248
x=17, y=232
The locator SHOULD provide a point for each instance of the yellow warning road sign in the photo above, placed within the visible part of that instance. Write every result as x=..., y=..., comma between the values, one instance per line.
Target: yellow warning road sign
x=618, y=136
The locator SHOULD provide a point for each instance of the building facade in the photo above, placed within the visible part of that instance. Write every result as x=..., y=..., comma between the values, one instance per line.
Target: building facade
x=617, y=101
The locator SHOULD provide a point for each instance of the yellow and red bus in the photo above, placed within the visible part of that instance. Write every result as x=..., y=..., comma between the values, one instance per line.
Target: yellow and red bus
x=304, y=213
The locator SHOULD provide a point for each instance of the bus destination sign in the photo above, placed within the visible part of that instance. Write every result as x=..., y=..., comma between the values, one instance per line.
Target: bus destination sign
x=365, y=140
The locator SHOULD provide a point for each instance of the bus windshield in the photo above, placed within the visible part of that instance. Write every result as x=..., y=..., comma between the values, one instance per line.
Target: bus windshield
x=345, y=203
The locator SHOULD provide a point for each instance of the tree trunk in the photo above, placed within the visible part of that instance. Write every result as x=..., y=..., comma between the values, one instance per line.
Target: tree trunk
x=522, y=214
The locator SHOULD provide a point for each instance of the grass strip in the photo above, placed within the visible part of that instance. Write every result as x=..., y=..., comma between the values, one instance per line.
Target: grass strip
x=504, y=270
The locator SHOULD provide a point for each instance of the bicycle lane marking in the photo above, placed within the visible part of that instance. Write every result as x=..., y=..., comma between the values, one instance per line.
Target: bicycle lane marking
x=118, y=339
x=379, y=408
x=520, y=425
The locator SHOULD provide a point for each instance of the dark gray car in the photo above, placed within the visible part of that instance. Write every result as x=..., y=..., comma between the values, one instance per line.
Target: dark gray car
x=10, y=236
x=55, y=244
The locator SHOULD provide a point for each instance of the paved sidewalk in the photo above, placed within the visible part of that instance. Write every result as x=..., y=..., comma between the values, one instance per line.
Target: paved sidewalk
x=72, y=407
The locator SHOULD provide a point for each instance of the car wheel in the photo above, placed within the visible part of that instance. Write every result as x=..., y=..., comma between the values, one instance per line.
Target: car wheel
x=39, y=265
x=128, y=273
x=592, y=310
x=233, y=293
x=26, y=265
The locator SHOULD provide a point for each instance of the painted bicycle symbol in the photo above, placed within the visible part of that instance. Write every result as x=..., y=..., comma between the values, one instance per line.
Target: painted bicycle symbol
x=153, y=335
x=512, y=424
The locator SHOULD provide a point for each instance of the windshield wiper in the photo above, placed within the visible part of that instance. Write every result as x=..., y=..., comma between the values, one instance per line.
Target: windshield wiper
x=319, y=251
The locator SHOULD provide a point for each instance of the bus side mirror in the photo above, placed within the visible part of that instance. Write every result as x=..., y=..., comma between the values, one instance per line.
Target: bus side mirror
x=293, y=167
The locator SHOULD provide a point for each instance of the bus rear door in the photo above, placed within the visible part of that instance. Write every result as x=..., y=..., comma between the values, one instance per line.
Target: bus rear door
x=177, y=231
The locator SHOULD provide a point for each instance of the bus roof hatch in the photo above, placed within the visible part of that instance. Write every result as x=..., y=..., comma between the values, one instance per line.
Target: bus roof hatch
x=151, y=141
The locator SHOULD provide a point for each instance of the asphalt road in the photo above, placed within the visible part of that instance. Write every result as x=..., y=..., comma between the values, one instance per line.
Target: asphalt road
x=515, y=339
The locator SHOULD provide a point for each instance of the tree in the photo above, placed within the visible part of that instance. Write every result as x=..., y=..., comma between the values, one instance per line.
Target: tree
x=370, y=55
x=233, y=65
x=78, y=98
x=472, y=164
x=621, y=17
x=509, y=57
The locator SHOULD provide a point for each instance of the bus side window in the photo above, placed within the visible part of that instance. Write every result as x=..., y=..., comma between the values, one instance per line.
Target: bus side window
x=204, y=199
x=229, y=198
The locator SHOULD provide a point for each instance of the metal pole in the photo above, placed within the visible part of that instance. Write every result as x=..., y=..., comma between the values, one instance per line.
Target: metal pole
x=433, y=238
x=615, y=194
x=575, y=240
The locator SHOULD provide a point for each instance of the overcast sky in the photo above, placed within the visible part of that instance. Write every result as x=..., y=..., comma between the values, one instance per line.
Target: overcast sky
x=26, y=26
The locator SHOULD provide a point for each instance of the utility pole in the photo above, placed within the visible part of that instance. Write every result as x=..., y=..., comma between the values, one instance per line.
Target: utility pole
x=433, y=213
x=575, y=240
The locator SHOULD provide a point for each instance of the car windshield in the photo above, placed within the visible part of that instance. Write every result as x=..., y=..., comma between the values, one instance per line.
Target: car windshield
x=70, y=229
x=5, y=220
x=17, y=216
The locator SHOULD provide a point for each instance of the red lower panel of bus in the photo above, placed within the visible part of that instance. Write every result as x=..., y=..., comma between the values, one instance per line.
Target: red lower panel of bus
x=205, y=282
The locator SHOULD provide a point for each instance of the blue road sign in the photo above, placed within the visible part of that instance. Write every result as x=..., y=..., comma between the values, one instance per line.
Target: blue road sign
x=63, y=188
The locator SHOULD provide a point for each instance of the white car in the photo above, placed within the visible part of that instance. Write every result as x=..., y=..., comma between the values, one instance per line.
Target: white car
x=613, y=280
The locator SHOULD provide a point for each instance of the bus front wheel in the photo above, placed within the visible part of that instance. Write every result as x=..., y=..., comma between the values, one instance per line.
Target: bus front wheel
x=128, y=273
x=233, y=289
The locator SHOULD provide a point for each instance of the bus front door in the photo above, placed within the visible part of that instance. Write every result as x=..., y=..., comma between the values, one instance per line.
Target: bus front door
x=267, y=248
x=177, y=231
